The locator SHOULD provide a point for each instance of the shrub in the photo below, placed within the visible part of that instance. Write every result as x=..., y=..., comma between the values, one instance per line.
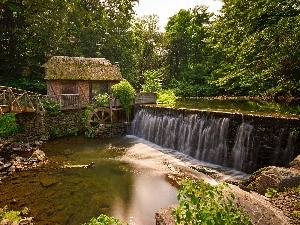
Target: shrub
x=8, y=125
x=166, y=97
x=202, y=203
x=125, y=93
x=104, y=220
x=51, y=106
x=271, y=192
x=12, y=215
x=101, y=100
x=152, y=81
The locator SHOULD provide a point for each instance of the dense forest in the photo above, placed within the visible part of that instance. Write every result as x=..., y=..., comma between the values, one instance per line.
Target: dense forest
x=249, y=48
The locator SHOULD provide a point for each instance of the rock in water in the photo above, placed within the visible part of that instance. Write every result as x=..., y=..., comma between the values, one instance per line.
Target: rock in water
x=296, y=163
x=278, y=178
x=39, y=155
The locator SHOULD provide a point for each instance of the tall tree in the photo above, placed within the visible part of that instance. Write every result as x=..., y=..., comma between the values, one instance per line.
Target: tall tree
x=148, y=52
x=34, y=30
x=259, y=41
x=188, y=51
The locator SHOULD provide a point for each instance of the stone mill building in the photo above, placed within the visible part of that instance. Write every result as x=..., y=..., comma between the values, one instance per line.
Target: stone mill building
x=74, y=81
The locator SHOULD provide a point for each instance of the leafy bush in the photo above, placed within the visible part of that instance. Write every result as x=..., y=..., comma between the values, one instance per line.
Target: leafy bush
x=188, y=89
x=101, y=100
x=152, y=81
x=8, y=125
x=125, y=93
x=55, y=132
x=271, y=192
x=104, y=220
x=166, y=97
x=14, y=216
x=51, y=106
x=202, y=203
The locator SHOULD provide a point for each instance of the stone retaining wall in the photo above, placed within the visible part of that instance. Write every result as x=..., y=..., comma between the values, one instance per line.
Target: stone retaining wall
x=68, y=122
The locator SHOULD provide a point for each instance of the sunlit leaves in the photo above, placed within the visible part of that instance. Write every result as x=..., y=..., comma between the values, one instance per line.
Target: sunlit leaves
x=260, y=43
x=202, y=203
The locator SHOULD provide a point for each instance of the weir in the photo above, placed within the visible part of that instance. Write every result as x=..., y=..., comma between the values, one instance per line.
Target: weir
x=243, y=142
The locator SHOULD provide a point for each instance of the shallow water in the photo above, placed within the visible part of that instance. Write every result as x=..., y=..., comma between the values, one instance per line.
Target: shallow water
x=115, y=185
x=127, y=181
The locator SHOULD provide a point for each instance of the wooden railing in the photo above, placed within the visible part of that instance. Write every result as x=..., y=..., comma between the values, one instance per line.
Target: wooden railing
x=17, y=100
x=66, y=101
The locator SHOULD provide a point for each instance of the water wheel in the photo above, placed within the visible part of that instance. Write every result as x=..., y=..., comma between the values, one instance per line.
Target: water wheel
x=99, y=116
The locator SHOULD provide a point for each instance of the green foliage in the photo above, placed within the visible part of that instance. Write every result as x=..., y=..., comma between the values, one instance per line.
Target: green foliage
x=55, y=132
x=39, y=29
x=8, y=125
x=51, y=106
x=251, y=48
x=91, y=133
x=256, y=43
x=270, y=192
x=166, y=97
x=152, y=81
x=85, y=115
x=188, y=89
x=58, y=132
x=105, y=220
x=101, y=100
x=295, y=217
x=297, y=190
x=189, y=55
x=12, y=215
x=202, y=203
x=125, y=93
x=72, y=131
x=148, y=44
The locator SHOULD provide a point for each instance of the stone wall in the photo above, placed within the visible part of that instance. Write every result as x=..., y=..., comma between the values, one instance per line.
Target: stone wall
x=68, y=122
x=43, y=126
x=110, y=130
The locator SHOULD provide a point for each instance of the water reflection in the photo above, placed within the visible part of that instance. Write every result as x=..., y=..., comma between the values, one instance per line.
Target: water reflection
x=112, y=186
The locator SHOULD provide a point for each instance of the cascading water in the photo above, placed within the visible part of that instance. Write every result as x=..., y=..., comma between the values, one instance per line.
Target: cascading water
x=242, y=146
x=228, y=140
x=202, y=138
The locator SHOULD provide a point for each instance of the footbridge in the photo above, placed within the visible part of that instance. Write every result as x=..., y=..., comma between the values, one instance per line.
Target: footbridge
x=14, y=100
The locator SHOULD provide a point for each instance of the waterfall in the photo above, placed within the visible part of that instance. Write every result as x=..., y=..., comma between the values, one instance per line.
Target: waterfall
x=242, y=142
x=204, y=138
x=242, y=147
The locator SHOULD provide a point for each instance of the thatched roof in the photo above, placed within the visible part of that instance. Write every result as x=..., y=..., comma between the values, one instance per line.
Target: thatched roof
x=80, y=68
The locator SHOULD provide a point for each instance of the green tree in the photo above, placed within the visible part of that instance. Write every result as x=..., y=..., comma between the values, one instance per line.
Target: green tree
x=31, y=31
x=259, y=43
x=153, y=81
x=148, y=47
x=189, y=53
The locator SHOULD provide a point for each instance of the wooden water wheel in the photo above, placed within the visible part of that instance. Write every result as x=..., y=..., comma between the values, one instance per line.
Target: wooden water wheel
x=99, y=116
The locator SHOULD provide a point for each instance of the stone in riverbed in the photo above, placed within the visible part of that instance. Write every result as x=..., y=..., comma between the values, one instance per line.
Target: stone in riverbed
x=48, y=182
x=6, y=222
x=39, y=155
x=296, y=163
x=7, y=165
x=278, y=178
x=26, y=221
x=68, y=152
